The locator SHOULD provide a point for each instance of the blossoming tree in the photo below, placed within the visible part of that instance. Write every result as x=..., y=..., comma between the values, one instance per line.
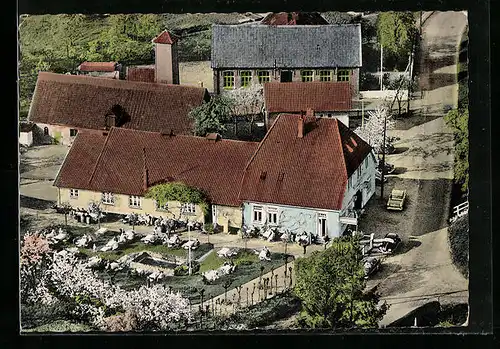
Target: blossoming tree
x=372, y=130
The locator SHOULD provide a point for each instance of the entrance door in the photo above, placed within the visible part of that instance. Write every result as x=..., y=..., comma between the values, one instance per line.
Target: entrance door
x=322, y=230
x=214, y=214
x=286, y=76
x=359, y=201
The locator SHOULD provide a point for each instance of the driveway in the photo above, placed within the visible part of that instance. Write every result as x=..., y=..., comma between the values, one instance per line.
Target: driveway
x=423, y=270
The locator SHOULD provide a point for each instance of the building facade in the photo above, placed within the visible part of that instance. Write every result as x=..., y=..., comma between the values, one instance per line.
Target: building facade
x=285, y=53
x=308, y=176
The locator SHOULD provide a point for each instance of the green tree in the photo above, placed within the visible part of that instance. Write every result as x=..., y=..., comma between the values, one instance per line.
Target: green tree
x=178, y=191
x=331, y=287
x=458, y=120
x=212, y=115
x=395, y=31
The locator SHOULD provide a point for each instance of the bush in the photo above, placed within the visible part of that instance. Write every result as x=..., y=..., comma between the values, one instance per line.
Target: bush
x=459, y=244
x=181, y=270
x=38, y=314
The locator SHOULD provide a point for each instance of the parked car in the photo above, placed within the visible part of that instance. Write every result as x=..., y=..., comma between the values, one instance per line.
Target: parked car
x=396, y=200
x=388, y=168
x=372, y=265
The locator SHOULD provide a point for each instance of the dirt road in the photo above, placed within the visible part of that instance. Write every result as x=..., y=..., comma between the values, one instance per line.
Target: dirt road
x=426, y=273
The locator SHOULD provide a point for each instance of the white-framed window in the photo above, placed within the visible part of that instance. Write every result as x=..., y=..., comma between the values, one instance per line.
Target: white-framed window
x=325, y=75
x=263, y=76
x=161, y=207
x=188, y=208
x=246, y=78
x=343, y=74
x=73, y=193
x=108, y=198
x=272, y=215
x=307, y=75
x=322, y=226
x=228, y=80
x=134, y=201
x=258, y=214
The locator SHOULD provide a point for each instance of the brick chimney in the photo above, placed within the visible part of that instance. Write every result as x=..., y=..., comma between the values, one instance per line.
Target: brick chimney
x=166, y=59
x=144, y=171
x=300, y=126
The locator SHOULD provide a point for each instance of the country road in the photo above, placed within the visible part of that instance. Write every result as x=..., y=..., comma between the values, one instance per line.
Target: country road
x=426, y=272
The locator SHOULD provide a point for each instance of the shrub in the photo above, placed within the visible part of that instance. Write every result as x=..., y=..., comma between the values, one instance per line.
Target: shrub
x=181, y=270
x=39, y=314
x=459, y=244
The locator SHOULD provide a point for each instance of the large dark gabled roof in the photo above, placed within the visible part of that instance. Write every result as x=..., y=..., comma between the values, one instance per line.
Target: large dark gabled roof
x=286, y=46
x=83, y=102
x=306, y=172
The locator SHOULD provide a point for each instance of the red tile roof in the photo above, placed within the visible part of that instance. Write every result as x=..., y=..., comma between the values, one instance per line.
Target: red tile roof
x=98, y=66
x=116, y=164
x=83, y=102
x=294, y=18
x=141, y=74
x=308, y=172
x=165, y=38
x=294, y=97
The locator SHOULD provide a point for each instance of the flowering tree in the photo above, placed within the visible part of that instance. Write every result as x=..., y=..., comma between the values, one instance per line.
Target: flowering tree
x=372, y=131
x=98, y=301
x=35, y=261
x=248, y=101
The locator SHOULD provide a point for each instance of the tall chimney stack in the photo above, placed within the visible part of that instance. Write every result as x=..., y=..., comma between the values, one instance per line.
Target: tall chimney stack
x=166, y=59
x=300, y=127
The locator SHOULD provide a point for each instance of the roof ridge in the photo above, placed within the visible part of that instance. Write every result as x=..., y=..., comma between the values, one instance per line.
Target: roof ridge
x=102, y=81
x=255, y=153
x=336, y=123
x=108, y=136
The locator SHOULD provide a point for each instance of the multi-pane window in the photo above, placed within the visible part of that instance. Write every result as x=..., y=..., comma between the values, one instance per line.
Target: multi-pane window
x=325, y=75
x=228, y=80
x=263, y=76
x=134, y=201
x=72, y=132
x=108, y=198
x=73, y=193
x=161, y=207
x=343, y=75
x=257, y=214
x=272, y=215
x=322, y=228
x=246, y=78
x=188, y=208
x=307, y=75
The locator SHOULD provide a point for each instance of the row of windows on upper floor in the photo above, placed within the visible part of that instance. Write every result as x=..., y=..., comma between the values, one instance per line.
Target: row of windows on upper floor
x=135, y=201
x=263, y=76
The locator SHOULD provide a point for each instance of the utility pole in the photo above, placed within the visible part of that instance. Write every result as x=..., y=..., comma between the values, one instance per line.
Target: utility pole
x=362, y=112
x=189, y=249
x=383, y=157
x=381, y=65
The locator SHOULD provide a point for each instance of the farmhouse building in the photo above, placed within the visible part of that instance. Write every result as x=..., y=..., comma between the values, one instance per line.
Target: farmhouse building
x=63, y=105
x=307, y=175
x=118, y=166
x=26, y=133
x=324, y=99
x=100, y=69
x=285, y=53
x=294, y=18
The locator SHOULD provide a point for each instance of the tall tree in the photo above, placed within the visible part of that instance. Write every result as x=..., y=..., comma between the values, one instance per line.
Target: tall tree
x=212, y=115
x=396, y=30
x=331, y=286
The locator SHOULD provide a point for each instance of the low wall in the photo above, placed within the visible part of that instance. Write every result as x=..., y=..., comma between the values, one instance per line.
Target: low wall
x=383, y=94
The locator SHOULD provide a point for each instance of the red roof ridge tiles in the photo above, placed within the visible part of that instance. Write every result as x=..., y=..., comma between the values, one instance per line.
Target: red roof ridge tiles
x=292, y=97
x=97, y=66
x=165, y=38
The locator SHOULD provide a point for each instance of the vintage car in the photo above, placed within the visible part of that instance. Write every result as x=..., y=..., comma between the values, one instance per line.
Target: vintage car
x=372, y=265
x=396, y=200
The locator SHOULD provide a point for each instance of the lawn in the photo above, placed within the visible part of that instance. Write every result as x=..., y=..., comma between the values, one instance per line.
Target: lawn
x=189, y=286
